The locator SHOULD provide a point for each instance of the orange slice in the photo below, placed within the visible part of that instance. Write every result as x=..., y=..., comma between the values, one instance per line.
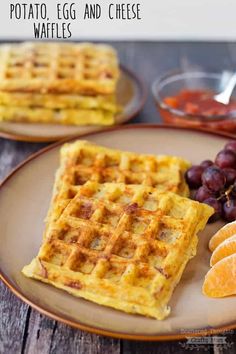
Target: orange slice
x=220, y=280
x=225, y=232
x=225, y=249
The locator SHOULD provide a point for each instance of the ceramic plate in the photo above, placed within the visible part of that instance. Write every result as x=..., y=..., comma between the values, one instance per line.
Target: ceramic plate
x=24, y=200
x=130, y=95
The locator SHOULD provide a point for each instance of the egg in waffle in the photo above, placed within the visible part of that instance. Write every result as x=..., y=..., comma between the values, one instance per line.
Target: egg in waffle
x=40, y=82
x=123, y=246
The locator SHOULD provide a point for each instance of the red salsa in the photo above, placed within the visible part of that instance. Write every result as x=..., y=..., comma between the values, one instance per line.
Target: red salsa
x=199, y=102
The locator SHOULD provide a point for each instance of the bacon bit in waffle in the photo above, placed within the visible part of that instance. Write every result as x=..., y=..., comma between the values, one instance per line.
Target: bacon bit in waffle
x=74, y=239
x=106, y=75
x=79, y=180
x=157, y=293
x=44, y=271
x=132, y=208
x=74, y=284
x=86, y=211
x=161, y=270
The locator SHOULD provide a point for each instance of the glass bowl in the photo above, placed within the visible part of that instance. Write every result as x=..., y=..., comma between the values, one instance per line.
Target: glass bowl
x=174, y=82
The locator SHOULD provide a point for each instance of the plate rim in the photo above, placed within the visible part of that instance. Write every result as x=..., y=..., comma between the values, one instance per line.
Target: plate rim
x=93, y=329
x=140, y=84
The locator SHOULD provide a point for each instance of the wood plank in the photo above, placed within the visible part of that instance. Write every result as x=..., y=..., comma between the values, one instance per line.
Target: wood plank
x=176, y=347
x=39, y=334
x=13, y=317
x=12, y=153
x=68, y=340
x=48, y=336
x=229, y=343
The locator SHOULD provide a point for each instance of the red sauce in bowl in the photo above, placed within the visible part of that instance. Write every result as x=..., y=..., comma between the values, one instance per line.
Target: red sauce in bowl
x=198, y=109
x=199, y=103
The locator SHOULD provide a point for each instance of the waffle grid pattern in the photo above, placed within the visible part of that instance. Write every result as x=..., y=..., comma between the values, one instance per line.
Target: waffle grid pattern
x=82, y=161
x=116, y=234
x=57, y=67
x=60, y=83
x=124, y=239
x=130, y=230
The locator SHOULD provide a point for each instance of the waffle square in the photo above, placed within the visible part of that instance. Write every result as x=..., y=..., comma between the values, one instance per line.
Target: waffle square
x=81, y=161
x=123, y=246
x=42, y=67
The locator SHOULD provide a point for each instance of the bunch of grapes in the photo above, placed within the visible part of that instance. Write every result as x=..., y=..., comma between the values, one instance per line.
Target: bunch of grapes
x=215, y=183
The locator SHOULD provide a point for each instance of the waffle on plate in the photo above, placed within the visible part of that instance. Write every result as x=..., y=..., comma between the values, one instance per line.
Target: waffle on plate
x=110, y=236
x=123, y=246
x=47, y=79
x=82, y=160
x=57, y=116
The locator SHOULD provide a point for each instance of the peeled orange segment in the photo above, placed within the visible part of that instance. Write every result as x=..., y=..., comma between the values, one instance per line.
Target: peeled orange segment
x=225, y=249
x=220, y=280
x=225, y=232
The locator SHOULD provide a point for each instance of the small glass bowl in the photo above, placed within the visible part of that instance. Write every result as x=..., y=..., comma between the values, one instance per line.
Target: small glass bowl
x=174, y=82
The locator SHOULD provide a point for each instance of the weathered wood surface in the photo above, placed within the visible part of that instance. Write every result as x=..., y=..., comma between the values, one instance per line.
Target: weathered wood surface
x=23, y=330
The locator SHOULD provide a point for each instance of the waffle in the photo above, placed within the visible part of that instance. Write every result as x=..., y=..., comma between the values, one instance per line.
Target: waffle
x=60, y=83
x=123, y=246
x=57, y=116
x=82, y=161
x=58, y=68
x=59, y=101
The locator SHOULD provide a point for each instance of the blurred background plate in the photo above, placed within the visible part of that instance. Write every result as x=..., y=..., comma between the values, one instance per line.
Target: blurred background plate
x=131, y=96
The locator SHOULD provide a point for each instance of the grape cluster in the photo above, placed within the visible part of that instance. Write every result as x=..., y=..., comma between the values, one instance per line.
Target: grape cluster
x=215, y=183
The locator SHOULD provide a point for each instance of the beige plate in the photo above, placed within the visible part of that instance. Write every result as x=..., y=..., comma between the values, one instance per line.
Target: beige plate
x=24, y=200
x=131, y=95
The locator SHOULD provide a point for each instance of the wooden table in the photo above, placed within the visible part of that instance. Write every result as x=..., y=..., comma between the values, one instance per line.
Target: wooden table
x=22, y=329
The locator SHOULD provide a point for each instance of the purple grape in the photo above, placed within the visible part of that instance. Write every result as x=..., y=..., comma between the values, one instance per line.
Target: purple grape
x=223, y=199
x=202, y=194
x=225, y=159
x=230, y=175
x=213, y=178
x=234, y=189
x=229, y=210
x=206, y=163
x=215, y=204
x=231, y=145
x=194, y=176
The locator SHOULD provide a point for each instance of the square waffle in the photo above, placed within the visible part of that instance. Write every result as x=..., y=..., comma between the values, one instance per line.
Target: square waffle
x=82, y=161
x=123, y=246
x=60, y=83
x=42, y=67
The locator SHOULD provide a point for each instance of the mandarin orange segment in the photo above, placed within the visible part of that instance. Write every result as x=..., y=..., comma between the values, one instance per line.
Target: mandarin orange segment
x=225, y=232
x=225, y=249
x=220, y=280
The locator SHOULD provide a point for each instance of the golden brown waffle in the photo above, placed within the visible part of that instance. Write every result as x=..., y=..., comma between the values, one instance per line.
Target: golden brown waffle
x=57, y=116
x=59, y=101
x=82, y=161
x=58, y=68
x=121, y=246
